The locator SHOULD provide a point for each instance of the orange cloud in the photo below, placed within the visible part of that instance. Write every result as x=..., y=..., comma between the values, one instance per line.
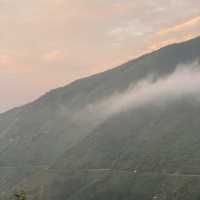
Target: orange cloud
x=14, y=63
x=121, y=7
x=179, y=27
x=159, y=43
x=6, y=60
x=54, y=56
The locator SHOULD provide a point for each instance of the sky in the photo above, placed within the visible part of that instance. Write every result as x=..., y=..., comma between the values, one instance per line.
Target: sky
x=50, y=43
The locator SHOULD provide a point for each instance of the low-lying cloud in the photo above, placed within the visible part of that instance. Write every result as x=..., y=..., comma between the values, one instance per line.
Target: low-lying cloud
x=183, y=82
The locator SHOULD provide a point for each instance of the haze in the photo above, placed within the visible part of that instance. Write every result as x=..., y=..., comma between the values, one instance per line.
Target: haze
x=49, y=43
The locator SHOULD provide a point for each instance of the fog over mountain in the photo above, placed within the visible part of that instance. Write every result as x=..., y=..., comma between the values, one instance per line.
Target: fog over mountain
x=128, y=133
x=183, y=82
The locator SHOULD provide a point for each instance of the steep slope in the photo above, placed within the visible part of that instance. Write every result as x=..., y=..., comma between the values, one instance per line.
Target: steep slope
x=152, y=142
x=30, y=130
x=149, y=139
x=145, y=153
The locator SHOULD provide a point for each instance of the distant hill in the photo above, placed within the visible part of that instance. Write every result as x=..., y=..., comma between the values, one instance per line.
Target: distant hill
x=66, y=145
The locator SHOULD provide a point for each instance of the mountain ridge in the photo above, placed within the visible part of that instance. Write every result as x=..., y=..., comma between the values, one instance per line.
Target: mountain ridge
x=150, y=139
x=119, y=67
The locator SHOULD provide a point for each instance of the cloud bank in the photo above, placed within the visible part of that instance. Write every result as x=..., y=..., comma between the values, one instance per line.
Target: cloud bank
x=183, y=82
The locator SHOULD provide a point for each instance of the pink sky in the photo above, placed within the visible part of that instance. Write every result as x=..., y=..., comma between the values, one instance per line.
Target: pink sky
x=49, y=43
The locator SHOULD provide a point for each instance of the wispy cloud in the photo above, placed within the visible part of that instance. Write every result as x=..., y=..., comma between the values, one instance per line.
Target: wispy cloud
x=54, y=55
x=133, y=28
x=184, y=82
x=158, y=42
x=184, y=25
x=5, y=60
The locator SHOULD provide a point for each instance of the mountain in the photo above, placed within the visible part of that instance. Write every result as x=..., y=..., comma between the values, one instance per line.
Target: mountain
x=89, y=140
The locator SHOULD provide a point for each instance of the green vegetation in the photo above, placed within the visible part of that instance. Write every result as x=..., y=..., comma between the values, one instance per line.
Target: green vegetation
x=19, y=196
x=147, y=153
